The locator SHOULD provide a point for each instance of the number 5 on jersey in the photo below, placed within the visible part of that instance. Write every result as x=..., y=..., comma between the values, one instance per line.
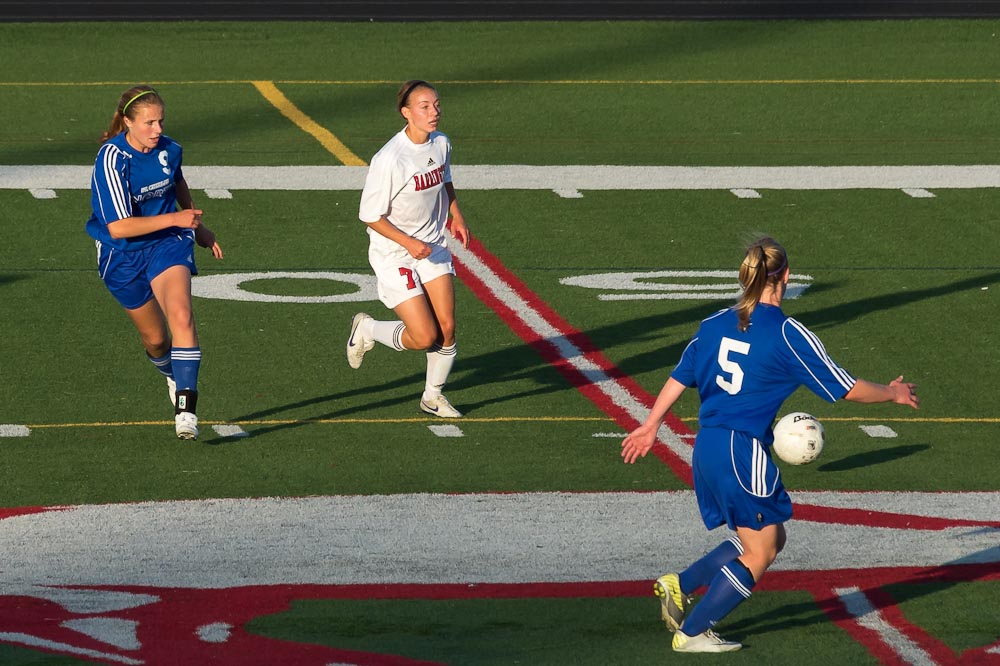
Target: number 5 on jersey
x=728, y=347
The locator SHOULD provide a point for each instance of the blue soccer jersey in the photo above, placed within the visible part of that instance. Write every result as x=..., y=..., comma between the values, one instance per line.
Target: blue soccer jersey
x=744, y=377
x=130, y=183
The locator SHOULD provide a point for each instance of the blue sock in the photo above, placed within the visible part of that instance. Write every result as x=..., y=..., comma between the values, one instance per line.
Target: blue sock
x=728, y=589
x=162, y=364
x=186, y=361
x=704, y=570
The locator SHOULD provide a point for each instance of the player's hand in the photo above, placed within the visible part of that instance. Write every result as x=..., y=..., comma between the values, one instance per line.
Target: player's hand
x=637, y=444
x=188, y=218
x=460, y=230
x=905, y=393
x=418, y=249
x=205, y=237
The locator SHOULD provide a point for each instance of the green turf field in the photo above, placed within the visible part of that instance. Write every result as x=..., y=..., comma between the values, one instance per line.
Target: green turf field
x=898, y=284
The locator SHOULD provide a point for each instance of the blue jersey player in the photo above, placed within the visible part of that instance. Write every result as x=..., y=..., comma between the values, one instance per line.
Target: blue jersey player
x=145, y=225
x=745, y=361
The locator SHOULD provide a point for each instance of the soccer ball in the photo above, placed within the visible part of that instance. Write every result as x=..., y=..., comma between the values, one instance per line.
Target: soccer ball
x=798, y=438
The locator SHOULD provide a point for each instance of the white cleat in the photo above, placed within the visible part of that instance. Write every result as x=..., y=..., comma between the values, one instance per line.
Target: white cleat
x=707, y=641
x=358, y=344
x=186, y=425
x=440, y=406
x=172, y=391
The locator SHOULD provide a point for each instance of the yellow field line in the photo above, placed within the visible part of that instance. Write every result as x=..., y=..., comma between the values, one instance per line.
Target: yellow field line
x=307, y=124
x=553, y=82
x=495, y=419
x=267, y=422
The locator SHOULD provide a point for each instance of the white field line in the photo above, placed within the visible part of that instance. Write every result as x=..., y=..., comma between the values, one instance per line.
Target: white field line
x=559, y=179
x=866, y=615
x=596, y=377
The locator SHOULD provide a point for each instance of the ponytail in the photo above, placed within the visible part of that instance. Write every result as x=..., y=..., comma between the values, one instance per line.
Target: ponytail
x=764, y=263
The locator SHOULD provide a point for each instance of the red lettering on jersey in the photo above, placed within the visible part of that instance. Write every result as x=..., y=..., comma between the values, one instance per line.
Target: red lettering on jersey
x=423, y=181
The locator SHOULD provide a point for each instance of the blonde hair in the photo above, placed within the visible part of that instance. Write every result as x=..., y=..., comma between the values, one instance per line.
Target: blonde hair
x=764, y=263
x=128, y=103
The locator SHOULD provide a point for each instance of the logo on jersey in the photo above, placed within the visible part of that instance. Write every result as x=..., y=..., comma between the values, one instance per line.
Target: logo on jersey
x=430, y=162
x=423, y=181
x=163, y=162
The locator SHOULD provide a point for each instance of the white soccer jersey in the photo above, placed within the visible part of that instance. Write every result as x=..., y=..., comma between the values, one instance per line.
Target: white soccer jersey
x=405, y=184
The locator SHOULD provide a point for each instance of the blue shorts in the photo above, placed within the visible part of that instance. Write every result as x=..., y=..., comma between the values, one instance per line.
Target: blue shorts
x=736, y=482
x=128, y=275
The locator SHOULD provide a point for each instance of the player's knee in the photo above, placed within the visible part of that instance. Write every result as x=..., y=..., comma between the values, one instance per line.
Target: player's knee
x=157, y=345
x=447, y=332
x=422, y=339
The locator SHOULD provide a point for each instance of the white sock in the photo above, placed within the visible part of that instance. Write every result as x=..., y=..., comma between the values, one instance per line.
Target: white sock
x=439, y=362
x=389, y=333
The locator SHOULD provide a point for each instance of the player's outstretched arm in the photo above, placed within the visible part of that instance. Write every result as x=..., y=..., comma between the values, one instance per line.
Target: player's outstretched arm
x=638, y=443
x=897, y=391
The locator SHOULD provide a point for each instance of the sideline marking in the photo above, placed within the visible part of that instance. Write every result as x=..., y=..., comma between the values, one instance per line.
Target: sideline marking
x=14, y=430
x=230, y=430
x=326, y=138
x=446, y=430
x=556, y=178
x=878, y=431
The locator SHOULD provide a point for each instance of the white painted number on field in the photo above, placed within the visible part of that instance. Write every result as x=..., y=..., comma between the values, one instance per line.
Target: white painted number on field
x=649, y=285
x=230, y=287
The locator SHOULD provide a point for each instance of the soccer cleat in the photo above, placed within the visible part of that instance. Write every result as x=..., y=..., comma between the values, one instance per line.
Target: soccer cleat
x=707, y=641
x=440, y=406
x=172, y=391
x=357, y=344
x=186, y=425
x=674, y=604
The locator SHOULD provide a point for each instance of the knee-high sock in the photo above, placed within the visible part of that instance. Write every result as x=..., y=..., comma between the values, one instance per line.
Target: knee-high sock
x=162, y=364
x=185, y=362
x=728, y=589
x=389, y=333
x=703, y=571
x=439, y=363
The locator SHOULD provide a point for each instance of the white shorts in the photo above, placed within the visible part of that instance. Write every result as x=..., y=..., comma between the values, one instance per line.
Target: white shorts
x=400, y=277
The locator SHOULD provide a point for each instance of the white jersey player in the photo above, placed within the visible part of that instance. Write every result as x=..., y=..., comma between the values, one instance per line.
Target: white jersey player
x=407, y=201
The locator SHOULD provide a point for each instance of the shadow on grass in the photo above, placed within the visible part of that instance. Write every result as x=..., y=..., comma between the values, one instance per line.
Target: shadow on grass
x=533, y=362
x=874, y=457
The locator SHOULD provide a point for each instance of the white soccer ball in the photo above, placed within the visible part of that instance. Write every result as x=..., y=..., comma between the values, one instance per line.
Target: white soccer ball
x=798, y=438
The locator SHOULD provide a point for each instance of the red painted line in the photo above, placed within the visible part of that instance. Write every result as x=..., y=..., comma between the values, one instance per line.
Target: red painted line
x=551, y=353
x=11, y=512
x=891, y=613
x=868, y=518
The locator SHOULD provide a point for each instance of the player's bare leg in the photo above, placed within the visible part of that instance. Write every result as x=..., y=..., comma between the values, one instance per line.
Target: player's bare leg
x=149, y=321
x=441, y=354
x=172, y=289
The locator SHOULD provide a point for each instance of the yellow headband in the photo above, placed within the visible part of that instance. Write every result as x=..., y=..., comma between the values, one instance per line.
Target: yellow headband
x=144, y=92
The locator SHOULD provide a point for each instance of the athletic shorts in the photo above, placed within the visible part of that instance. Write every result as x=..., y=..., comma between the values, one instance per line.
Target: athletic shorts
x=128, y=275
x=736, y=482
x=400, y=277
